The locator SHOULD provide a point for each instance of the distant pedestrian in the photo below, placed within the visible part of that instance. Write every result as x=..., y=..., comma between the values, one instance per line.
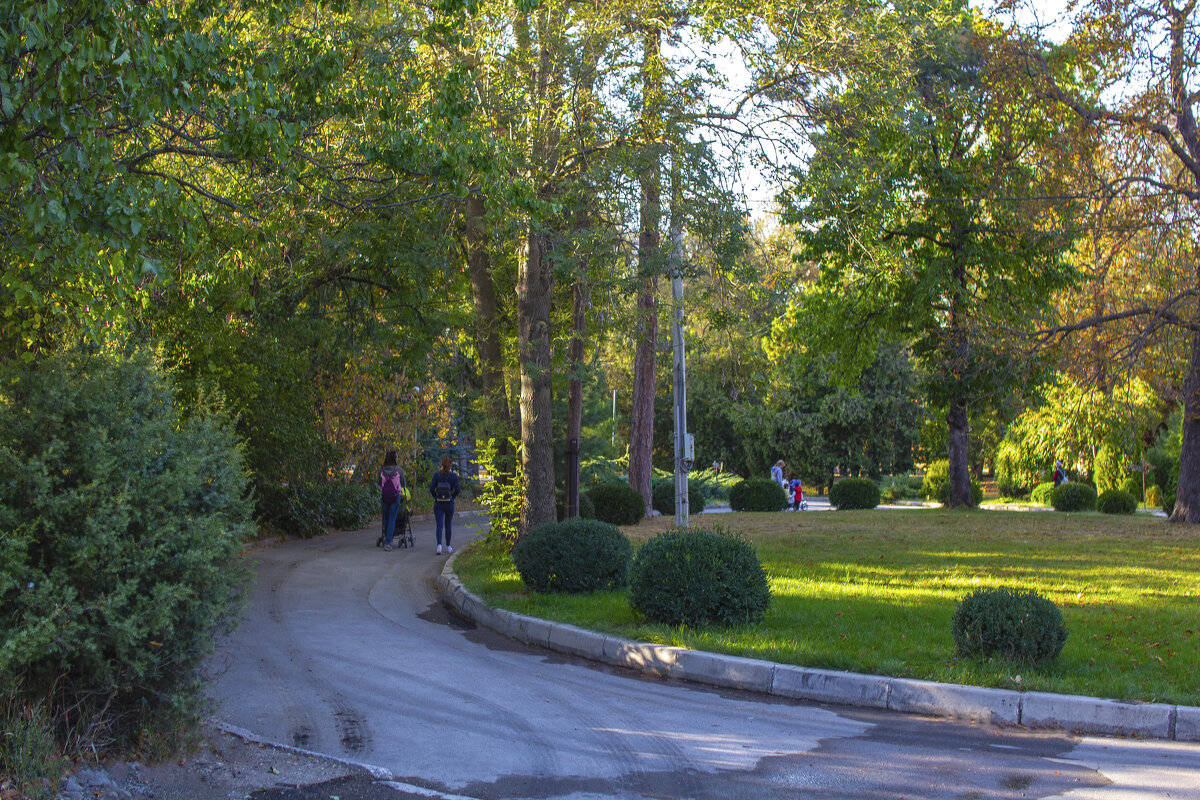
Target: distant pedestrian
x=391, y=488
x=444, y=488
x=1060, y=474
x=777, y=474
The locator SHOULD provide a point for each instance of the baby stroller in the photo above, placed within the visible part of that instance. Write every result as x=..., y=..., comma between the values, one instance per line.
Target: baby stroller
x=403, y=536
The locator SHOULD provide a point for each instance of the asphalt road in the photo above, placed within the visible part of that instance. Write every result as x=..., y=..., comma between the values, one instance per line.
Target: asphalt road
x=347, y=651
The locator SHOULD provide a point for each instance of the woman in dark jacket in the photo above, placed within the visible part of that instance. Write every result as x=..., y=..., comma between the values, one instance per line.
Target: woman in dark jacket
x=444, y=488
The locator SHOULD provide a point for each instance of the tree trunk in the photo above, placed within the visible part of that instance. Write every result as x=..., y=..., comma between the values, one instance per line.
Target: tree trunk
x=641, y=426
x=575, y=393
x=1187, y=493
x=534, y=288
x=498, y=422
x=958, y=446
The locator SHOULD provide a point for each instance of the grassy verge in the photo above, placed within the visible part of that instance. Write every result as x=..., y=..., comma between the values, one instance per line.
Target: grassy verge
x=875, y=591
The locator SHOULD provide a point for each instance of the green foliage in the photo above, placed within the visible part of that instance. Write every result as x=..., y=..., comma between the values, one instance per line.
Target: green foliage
x=1043, y=493
x=900, y=487
x=854, y=493
x=664, y=497
x=122, y=518
x=1014, y=625
x=1073, y=422
x=943, y=495
x=1074, y=496
x=617, y=503
x=587, y=509
x=1108, y=470
x=1116, y=501
x=29, y=755
x=504, y=495
x=756, y=494
x=1133, y=485
x=697, y=577
x=714, y=485
x=1154, y=496
x=573, y=556
x=309, y=508
x=937, y=473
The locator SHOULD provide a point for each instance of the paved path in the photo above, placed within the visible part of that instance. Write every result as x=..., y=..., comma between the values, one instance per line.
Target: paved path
x=348, y=651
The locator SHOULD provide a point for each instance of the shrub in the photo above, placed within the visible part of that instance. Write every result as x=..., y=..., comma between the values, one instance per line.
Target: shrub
x=900, y=487
x=757, y=494
x=1116, y=501
x=937, y=473
x=1108, y=469
x=573, y=557
x=1154, y=496
x=122, y=520
x=1133, y=485
x=1015, y=625
x=976, y=493
x=664, y=498
x=1074, y=497
x=587, y=509
x=696, y=577
x=617, y=503
x=1042, y=493
x=852, y=493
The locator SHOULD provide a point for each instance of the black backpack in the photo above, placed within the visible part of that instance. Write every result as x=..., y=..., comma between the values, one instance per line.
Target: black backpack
x=443, y=490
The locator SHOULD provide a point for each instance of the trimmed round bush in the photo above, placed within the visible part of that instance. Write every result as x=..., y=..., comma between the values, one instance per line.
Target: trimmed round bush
x=1042, y=493
x=756, y=494
x=122, y=519
x=697, y=577
x=1116, y=501
x=573, y=556
x=664, y=498
x=1074, y=497
x=854, y=493
x=1014, y=625
x=617, y=503
x=943, y=496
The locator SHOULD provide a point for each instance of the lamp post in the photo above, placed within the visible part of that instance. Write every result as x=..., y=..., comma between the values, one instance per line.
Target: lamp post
x=684, y=450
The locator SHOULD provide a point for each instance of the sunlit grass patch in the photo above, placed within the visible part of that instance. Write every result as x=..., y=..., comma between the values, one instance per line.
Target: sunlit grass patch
x=875, y=591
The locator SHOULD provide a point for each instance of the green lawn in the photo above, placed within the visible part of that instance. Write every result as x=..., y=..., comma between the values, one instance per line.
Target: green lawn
x=875, y=591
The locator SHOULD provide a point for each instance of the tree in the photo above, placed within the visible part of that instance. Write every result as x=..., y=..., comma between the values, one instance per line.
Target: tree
x=921, y=207
x=1130, y=70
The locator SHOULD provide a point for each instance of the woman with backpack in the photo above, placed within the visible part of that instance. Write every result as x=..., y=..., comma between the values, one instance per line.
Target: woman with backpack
x=444, y=488
x=391, y=482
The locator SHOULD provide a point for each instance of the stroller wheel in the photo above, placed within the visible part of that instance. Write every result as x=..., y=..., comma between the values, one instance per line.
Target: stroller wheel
x=804, y=505
x=379, y=542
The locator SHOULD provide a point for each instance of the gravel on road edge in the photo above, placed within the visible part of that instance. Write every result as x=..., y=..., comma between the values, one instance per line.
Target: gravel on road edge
x=225, y=766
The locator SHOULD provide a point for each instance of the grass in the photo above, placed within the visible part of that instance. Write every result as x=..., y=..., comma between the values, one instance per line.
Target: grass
x=875, y=592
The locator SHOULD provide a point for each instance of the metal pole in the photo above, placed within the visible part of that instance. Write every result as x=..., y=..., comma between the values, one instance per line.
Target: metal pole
x=683, y=444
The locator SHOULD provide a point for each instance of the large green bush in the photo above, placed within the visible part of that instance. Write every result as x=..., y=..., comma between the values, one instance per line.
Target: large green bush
x=697, y=577
x=1015, y=625
x=936, y=473
x=1074, y=496
x=757, y=494
x=617, y=503
x=664, y=498
x=573, y=556
x=122, y=518
x=1042, y=493
x=852, y=493
x=943, y=495
x=1116, y=501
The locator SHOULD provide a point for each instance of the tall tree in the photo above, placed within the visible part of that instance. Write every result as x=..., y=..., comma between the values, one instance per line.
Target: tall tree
x=921, y=207
x=1130, y=69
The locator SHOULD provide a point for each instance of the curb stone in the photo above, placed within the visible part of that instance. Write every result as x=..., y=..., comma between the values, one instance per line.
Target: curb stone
x=1088, y=715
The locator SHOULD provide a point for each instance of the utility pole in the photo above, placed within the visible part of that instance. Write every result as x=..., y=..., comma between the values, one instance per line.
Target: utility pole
x=684, y=450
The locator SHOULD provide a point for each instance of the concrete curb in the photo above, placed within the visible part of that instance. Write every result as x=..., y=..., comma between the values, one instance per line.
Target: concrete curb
x=1077, y=714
